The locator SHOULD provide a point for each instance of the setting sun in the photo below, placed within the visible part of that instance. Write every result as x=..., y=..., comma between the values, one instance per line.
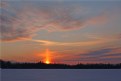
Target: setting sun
x=47, y=62
x=47, y=56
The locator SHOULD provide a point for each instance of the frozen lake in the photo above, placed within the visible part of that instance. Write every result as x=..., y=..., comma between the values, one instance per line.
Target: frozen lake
x=60, y=75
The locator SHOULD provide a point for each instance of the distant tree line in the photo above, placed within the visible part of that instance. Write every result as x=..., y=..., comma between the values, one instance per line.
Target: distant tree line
x=41, y=65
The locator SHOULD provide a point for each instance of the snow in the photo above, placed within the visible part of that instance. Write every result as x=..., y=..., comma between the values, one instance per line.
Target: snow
x=60, y=75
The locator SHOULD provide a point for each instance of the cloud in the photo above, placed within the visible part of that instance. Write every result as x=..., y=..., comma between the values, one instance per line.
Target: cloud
x=114, y=52
x=23, y=21
x=119, y=36
x=98, y=19
x=82, y=43
x=104, y=55
x=3, y=4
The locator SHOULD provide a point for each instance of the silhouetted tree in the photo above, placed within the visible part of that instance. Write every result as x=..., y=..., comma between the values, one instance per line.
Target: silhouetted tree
x=41, y=65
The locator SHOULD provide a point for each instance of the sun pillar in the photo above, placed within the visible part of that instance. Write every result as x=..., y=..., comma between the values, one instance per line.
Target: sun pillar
x=47, y=58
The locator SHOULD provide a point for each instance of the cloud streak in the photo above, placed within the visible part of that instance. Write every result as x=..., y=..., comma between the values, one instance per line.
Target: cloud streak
x=106, y=55
x=81, y=43
x=52, y=43
x=25, y=20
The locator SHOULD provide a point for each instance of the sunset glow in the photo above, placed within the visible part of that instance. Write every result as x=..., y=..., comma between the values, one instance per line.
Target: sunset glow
x=47, y=62
x=60, y=31
x=47, y=56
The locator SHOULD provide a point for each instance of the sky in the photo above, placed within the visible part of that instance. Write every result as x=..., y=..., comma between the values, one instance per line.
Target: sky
x=64, y=31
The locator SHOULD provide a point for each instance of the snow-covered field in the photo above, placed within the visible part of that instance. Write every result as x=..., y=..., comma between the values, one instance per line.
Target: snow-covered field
x=60, y=75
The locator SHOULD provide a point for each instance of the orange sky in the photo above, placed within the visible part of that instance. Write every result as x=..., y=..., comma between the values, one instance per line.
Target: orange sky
x=61, y=32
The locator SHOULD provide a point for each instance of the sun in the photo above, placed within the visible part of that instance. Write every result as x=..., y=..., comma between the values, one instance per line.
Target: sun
x=47, y=62
x=47, y=56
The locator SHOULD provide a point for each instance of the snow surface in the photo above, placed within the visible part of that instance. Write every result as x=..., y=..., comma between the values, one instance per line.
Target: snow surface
x=60, y=75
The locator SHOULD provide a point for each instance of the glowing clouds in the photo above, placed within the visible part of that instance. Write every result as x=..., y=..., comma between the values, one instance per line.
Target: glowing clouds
x=24, y=22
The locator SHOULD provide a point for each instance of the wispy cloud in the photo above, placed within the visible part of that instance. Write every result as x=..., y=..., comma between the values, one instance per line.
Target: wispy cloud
x=103, y=55
x=23, y=21
x=98, y=19
x=106, y=55
x=78, y=43
x=53, y=43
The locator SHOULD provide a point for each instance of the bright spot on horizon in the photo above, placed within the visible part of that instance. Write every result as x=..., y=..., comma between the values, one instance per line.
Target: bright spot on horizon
x=47, y=62
x=47, y=56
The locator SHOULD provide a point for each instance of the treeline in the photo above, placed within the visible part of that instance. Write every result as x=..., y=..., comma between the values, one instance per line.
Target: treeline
x=41, y=65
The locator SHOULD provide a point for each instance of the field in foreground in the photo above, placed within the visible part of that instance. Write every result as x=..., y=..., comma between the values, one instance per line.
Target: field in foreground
x=60, y=75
